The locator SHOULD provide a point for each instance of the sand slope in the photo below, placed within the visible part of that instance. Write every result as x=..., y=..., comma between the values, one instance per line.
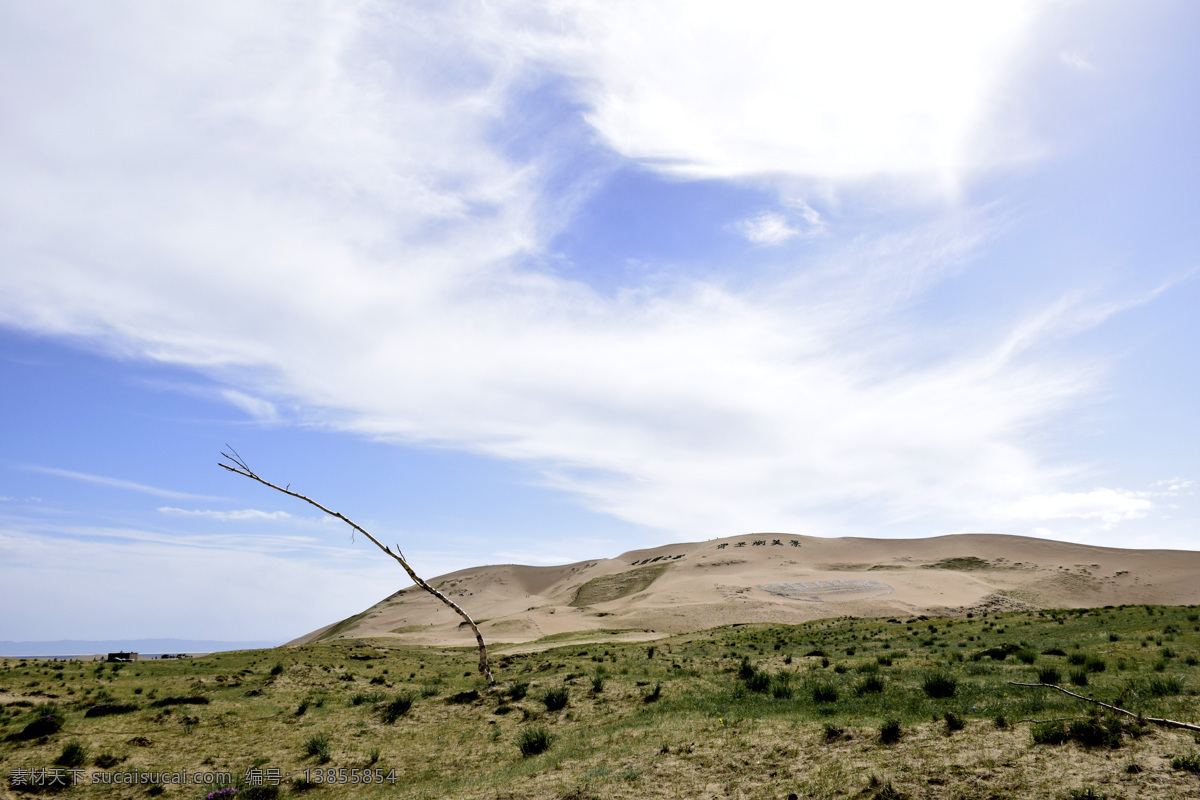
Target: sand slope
x=776, y=577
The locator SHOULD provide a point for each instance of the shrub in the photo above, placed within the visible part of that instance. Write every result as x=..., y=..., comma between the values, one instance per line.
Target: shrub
x=277, y=669
x=1049, y=675
x=1164, y=687
x=1188, y=763
x=106, y=760
x=1079, y=677
x=887, y=792
x=1095, y=664
x=872, y=684
x=1048, y=733
x=889, y=732
x=361, y=698
x=518, y=691
x=73, y=754
x=1093, y=733
x=318, y=746
x=597, y=684
x=1027, y=656
x=953, y=722
x=758, y=681
x=104, y=709
x=49, y=722
x=397, y=708
x=531, y=741
x=824, y=693
x=746, y=669
x=191, y=700
x=781, y=690
x=555, y=699
x=939, y=684
x=1086, y=793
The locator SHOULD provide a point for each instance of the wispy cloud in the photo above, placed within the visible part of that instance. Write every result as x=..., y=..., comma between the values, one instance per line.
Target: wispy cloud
x=256, y=407
x=1076, y=61
x=767, y=228
x=1108, y=505
x=123, y=583
x=828, y=91
x=227, y=516
x=346, y=230
x=117, y=483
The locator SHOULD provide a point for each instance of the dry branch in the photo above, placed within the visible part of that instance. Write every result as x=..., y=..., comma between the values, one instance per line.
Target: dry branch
x=1166, y=723
x=240, y=467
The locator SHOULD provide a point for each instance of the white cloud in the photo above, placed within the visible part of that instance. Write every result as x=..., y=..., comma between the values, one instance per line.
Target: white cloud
x=774, y=228
x=117, y=483
x=256, y=407
x=114, y=583
x=828, y=91
x=1076, y=61
x=1108, y=505
x=767, y=228
x=1172, y=487
x=227, y=516
x=309, y=204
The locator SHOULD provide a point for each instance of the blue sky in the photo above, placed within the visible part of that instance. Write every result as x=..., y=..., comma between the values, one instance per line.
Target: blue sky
x=535, y=282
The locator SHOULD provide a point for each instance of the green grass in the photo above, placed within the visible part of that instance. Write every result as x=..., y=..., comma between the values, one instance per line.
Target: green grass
x=731, y=706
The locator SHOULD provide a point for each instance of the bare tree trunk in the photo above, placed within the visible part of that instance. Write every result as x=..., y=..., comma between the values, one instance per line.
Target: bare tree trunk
x=237, y=464
x=1166, y=723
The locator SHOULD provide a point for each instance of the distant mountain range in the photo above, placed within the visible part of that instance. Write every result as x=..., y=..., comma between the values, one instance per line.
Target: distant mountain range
x=83, y=647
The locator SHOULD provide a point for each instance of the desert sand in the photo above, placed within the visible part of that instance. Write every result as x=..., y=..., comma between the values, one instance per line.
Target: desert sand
x=774, y=577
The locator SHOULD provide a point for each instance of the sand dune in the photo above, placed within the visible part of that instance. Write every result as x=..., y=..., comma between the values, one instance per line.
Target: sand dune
x=776, y=577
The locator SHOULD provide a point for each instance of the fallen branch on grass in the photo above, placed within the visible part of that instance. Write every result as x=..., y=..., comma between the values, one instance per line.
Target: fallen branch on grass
x=239, y=466
x=1166, y=723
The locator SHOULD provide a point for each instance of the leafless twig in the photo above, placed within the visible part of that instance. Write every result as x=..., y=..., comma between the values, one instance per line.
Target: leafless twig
x=1166, y=723
x=238, y=464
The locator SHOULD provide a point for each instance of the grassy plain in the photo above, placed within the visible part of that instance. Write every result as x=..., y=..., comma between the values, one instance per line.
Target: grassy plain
x=838, y=708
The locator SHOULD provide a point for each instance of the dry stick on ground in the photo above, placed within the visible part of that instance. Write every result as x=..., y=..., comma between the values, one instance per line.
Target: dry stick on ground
x=240, y=467
x=1167, y=723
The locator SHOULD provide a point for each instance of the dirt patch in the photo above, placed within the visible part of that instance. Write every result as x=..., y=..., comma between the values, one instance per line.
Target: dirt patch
x=828, y=591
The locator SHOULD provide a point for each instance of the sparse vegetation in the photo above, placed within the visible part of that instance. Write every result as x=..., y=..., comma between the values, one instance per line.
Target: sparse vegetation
x=532, y=741
x=555, y=699
x=317, y=746
x=724, y=698
x=939, y=684
x=398, y=707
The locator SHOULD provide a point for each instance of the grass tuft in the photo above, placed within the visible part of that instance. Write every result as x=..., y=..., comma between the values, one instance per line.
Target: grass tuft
x=535, y=740
x=317, y=746
x=939, y=685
